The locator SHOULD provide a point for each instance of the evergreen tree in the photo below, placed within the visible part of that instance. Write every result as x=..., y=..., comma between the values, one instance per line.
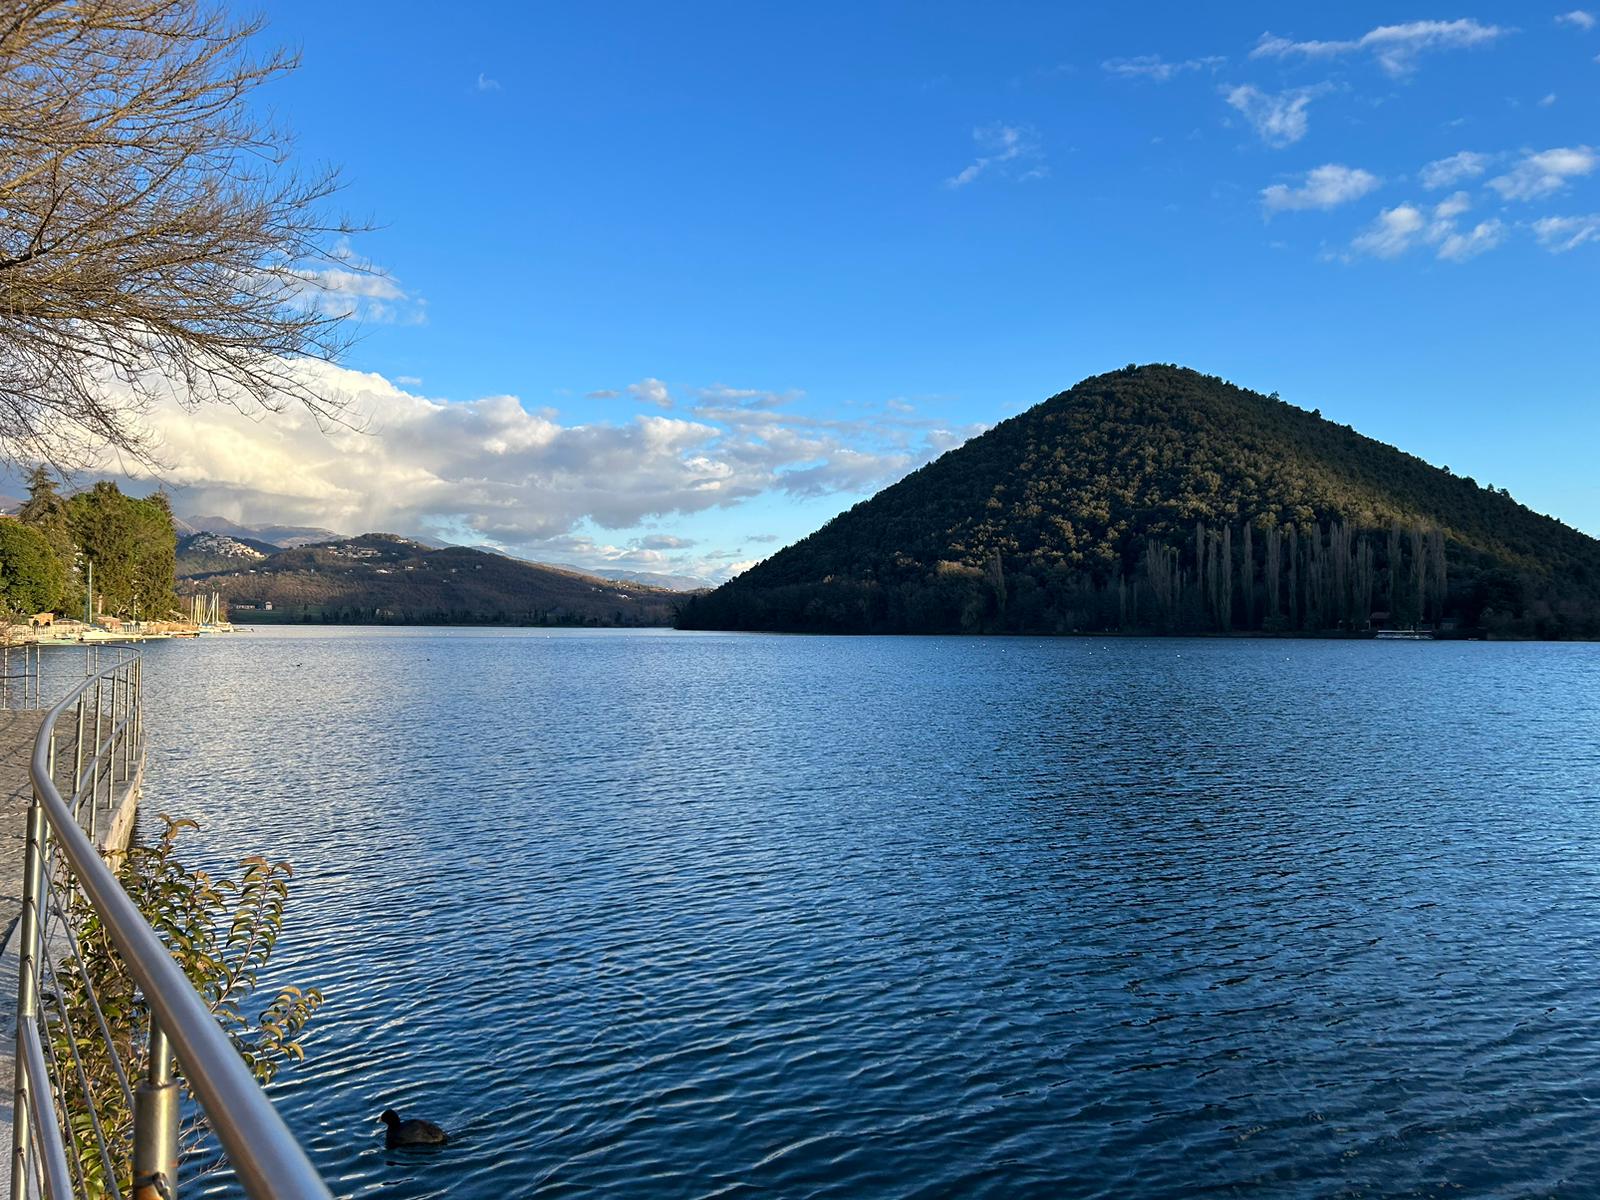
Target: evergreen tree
x=45, y=511
x=132, y=545
x=31, y=576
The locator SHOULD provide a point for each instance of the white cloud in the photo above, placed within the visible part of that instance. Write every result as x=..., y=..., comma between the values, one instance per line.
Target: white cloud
x=663, y=541
x=1452, y=207
x=1001, y=146
x=1407, y=226
x=1395, y=47
x=651, y=391
x=1548, y=100
x=1394, y=232
x=1484, y=236
x=485, y=84
x=1579, y=19
x=1561, y=234
x=364, y=294
x=351, y=286
x=1325, y=187
x=1154, y=67
x=1447, y=172
x=490, y=472
x=1545, y=172
x=1279, y=118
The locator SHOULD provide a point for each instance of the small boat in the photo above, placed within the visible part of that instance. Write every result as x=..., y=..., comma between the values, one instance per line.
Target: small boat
x=1404, y=635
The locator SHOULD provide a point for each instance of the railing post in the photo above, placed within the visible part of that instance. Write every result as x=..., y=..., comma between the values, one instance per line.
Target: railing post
x=27, y=989
x=98, y=684
x=116, y=738
x=155, y=1124
x=77, y=770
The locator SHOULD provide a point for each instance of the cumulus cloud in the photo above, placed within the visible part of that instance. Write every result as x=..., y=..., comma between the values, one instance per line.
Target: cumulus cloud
x=1154, y=67
x=490, y=472
x=1407, y=226
x=1447, y=172
x=1279, y=118
x=1395, y=47
x=486, y=84
x=1561, y=234
x=1545, y=172
x=1325, y=187
x=1578, y=19
x=1006, y=149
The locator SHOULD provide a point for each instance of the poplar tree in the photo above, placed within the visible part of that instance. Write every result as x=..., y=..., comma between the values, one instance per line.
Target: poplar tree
x=1226, y=587
x=1273, y=569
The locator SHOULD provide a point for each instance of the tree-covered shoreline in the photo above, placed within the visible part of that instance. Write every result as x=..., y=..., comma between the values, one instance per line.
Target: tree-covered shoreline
x=1156, y=500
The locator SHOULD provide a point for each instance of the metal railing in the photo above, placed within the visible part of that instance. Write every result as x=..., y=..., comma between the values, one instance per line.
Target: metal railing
x=21, y=690
x=56, y=1122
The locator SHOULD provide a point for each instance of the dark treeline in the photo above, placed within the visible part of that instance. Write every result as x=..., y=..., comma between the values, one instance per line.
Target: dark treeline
x=1321, y=579
x=349, y=614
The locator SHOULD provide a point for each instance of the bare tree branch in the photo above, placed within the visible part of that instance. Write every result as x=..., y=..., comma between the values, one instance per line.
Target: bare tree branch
x=154, y=237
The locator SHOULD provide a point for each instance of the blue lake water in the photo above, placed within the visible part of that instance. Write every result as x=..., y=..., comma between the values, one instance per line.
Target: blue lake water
x=680, y=915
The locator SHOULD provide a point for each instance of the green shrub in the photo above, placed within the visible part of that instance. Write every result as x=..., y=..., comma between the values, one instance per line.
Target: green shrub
x=221, y=931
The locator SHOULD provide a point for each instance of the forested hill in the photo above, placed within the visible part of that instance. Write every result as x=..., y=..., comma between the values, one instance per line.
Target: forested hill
x=379, y=578
x=1158, y=499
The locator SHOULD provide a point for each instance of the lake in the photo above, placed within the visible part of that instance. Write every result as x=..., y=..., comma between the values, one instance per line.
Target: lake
x=679, y=915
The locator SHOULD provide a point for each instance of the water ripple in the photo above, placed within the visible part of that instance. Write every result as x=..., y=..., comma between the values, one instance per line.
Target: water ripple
x=689, y=915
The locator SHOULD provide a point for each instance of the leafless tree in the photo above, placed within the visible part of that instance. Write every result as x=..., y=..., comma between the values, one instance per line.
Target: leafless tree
x=154, y=236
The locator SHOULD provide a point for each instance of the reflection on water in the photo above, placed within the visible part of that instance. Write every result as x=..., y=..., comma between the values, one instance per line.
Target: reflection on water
x=665, y=914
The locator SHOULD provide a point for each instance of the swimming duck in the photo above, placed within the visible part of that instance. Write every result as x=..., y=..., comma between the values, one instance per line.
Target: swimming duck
x=415, y=1132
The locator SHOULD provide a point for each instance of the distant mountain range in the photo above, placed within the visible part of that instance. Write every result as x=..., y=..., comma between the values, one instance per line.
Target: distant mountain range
x=673, y=583
x=284, y=537
x=203, y=555
x=385, y=579
x=1159, y=500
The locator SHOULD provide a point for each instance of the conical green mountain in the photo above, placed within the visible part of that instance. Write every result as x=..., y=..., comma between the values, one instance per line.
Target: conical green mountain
x=1158, y=499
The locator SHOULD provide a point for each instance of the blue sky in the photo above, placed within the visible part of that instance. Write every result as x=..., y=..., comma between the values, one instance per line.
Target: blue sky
x=743, y=264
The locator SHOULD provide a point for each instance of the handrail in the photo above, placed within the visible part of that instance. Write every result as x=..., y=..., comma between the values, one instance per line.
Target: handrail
x=264, y=1154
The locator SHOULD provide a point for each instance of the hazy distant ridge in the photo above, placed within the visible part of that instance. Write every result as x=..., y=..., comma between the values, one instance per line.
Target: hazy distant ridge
x=387, y=579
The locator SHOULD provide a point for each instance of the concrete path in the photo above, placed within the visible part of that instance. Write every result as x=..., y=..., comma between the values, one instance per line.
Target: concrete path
x=17, y=731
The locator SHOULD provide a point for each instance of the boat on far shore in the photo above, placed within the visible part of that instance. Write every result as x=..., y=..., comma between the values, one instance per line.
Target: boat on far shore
x=1404, y=635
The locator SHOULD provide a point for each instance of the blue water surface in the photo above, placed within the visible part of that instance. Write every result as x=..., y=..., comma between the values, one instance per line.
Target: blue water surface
x=679, y=915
